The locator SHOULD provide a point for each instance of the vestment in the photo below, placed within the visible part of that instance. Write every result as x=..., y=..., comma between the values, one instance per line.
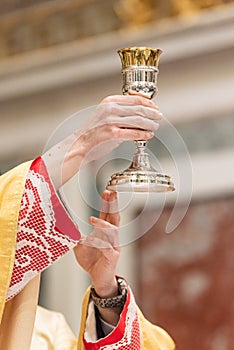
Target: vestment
x=35, y=231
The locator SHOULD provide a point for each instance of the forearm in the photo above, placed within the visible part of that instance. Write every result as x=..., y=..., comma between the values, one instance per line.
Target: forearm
x=64, y=160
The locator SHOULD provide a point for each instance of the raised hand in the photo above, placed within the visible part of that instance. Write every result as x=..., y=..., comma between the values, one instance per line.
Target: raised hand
x=98, y=253
x=115, y=120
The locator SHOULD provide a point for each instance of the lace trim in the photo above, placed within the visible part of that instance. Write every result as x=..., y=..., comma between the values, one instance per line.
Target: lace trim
x=131, y=339
x=39, y=242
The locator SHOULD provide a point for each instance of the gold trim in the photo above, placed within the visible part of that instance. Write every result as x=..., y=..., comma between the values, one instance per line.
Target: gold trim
x=11, y=190
x=140, y=56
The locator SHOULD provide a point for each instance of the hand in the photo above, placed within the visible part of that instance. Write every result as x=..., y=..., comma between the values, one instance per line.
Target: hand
x=98, y=253
x=116, y=119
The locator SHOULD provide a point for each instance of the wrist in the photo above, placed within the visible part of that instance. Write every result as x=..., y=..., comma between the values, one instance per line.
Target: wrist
x=111, y=302
x=109, y=289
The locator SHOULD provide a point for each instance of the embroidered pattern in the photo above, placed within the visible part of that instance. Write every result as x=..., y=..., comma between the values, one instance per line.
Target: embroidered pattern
x=39, y=242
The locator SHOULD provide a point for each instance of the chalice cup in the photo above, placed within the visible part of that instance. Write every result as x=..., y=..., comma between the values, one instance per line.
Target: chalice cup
x=139, y=71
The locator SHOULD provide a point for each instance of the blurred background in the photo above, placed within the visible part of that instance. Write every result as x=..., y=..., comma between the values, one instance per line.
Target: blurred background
x=57, y=57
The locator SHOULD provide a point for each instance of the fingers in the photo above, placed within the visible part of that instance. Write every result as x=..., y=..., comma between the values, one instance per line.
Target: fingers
x=110, y=209
x=105, y=205
x=147, y=112
x=135, y=122
x=105, y=231
x=134, y=134
x=113, y=132
x=102, y=224
x=116, y=109
x=113, y=215
x=142, y=116
x=130, y=99
x=95, y=242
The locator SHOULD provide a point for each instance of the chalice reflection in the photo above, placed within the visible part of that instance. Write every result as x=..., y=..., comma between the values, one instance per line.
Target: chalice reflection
x=140, y=70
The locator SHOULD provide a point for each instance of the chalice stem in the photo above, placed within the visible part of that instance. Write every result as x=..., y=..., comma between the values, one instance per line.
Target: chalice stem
x=141, y=157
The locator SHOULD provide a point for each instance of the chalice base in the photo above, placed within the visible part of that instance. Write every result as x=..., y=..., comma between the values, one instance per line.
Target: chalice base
x=139, y=180
x=140, y=175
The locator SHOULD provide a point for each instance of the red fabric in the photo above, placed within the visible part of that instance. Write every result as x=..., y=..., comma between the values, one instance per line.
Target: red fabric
x=45, y=231
x=63, y=223
x=126, y=335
